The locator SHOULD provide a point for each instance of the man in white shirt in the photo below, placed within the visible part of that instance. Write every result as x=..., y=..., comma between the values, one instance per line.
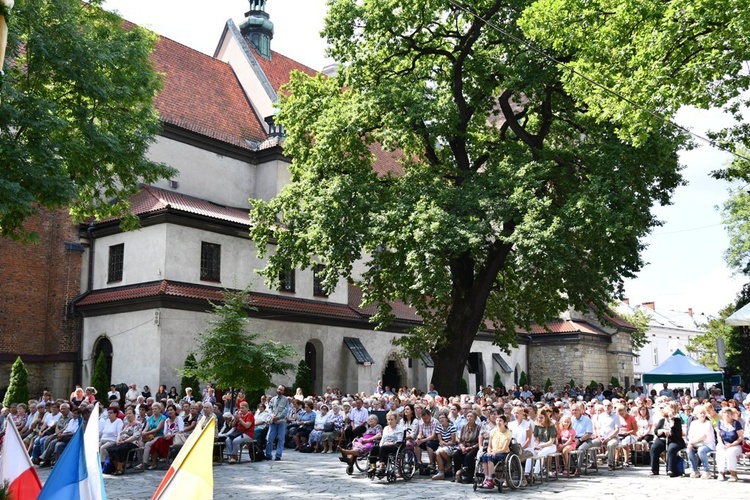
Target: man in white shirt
x=131, y=397
x=358, y=417
x=607, y=426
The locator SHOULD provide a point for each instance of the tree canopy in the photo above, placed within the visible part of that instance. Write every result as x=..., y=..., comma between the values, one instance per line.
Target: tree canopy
x=639, y=319
x=520, y=192
x=736, y=340
x=76, y=113
x=228, y=354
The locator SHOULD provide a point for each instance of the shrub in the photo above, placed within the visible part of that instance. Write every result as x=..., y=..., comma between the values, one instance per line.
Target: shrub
x=523, y=379
x=99, y=379
x=18, y=389
x=497, y=382
x=303, y=379
x=464, y=386
x=547, y=384
x=189, y=381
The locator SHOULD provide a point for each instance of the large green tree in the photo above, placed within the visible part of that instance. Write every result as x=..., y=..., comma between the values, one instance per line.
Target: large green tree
x=229, y=354
x=652, y=58
x=76, y=112
x=704, y=345
x=513, y=198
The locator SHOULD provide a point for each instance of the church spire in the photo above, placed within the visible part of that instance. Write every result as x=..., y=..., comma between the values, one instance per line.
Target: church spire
x=257, y=28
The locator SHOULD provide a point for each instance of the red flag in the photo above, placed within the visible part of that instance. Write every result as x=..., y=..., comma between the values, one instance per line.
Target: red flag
x=16, y=467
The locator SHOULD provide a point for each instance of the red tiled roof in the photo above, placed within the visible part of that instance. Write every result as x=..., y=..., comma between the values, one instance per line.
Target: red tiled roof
x=263, y=302
x=564, y=326
x=278, y=70
x=279, y=67
x=400, y=310
x=152, y=199
x=203, y=95
x=387, y=161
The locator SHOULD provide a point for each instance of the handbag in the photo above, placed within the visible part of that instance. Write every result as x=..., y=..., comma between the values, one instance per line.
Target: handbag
x=179, y=438
x=328, y=427
x=235, y=434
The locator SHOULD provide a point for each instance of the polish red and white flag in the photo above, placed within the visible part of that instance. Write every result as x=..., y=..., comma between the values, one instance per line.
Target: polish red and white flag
x=16, y=467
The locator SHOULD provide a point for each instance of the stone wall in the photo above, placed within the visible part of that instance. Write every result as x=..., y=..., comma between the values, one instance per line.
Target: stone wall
x=621, y=358
x=58, y=378
x=581, y=358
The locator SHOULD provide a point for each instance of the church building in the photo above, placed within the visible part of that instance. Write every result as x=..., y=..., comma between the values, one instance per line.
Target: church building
x=144, y=295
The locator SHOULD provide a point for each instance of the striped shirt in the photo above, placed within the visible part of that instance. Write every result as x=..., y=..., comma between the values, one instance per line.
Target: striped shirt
x=445, y=433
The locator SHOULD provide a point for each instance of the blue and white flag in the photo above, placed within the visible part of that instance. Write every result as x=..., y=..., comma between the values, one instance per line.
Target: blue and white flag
x=70, y=479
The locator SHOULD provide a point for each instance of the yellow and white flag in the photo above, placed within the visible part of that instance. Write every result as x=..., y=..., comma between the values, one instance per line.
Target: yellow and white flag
x=191, y=475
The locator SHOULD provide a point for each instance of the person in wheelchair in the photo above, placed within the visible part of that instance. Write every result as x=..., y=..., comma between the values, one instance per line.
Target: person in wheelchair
x=497, y=449
x=392, y=436
x=361, y=446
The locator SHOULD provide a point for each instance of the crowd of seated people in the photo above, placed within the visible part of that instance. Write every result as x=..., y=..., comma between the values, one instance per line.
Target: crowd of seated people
x=611, y=423
x=446, y=433
x=46, y=425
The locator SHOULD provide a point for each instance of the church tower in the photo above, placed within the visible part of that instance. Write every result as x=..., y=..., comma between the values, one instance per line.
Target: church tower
x=257, y=28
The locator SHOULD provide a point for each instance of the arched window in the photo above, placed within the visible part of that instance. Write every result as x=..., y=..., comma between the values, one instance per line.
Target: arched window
x=311, y=359
x=104, y=346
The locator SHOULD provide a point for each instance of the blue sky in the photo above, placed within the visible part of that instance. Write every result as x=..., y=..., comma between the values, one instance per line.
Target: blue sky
x=685, y=256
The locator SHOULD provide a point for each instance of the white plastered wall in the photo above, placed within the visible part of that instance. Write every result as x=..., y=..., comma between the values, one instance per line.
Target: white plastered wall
x=204, y=174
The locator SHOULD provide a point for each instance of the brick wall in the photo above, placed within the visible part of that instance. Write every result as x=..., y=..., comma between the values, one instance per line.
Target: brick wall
x=38, y=283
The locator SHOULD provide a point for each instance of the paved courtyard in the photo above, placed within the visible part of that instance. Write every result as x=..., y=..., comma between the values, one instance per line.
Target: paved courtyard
x=323, y=476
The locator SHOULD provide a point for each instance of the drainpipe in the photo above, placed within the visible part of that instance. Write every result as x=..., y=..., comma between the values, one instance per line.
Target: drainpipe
x=92, y=236
x=89, y=287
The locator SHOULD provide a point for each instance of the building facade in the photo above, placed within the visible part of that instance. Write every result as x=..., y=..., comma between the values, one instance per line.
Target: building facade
x=149, y=289
x=668, y=330
x=141, y=297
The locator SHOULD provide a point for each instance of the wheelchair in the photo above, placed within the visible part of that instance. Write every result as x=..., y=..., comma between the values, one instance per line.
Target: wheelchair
x=361, y=462
x=508, y=471
x=402, y=463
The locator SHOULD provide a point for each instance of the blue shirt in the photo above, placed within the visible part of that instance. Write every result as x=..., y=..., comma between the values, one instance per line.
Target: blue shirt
x=582, y=426
x=308, y=417
x=459, y=423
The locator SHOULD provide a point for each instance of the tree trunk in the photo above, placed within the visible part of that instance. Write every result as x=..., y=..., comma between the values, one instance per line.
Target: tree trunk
x=450, y=362
x=471, y=288
x=463, y=323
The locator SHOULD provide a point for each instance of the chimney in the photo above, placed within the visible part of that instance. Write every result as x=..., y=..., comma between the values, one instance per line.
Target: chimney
x=331, y=70
x=650, y=305
x=626, y=300
x=690, y=311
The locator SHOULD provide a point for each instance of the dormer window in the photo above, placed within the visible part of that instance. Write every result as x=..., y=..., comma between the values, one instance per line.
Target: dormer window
x=261, y=43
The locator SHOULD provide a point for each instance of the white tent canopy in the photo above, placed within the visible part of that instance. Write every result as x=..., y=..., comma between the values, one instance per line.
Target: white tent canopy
x=740, y=317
